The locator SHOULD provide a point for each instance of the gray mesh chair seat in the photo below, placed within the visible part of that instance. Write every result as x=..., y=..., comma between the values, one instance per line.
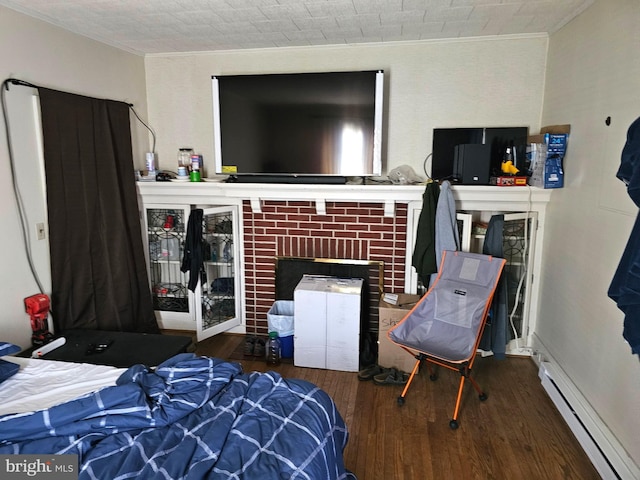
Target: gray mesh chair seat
x=446, y=325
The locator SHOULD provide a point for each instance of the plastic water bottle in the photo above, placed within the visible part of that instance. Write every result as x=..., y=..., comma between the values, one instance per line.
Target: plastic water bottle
x=273, y=349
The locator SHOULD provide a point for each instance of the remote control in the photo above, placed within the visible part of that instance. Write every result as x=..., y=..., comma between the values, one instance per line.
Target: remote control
x=58, y=342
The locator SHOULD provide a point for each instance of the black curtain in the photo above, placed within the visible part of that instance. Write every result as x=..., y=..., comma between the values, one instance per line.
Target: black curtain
x=98, y=272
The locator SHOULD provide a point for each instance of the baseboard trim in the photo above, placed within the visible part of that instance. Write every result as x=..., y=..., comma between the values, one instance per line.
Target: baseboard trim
x=603, y=449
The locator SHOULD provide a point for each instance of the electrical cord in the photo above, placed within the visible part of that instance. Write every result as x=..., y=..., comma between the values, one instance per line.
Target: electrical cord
x=14, y=180
x=525, y=262
x=153, y=134
x=516, y=302
x=424, y=166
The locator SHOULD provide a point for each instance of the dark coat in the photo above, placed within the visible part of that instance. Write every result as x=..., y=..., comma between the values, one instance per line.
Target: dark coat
x=495, y=336
x=625, y=286
x=193, y=249
x=424, y=251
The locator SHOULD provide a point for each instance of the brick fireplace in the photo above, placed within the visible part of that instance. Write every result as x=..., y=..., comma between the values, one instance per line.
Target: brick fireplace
x=347, y=230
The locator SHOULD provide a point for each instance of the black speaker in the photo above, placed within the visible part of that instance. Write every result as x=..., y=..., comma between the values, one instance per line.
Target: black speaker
x=472, y=164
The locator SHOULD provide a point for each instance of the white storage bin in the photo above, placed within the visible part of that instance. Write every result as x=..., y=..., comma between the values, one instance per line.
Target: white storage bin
x=327, y=333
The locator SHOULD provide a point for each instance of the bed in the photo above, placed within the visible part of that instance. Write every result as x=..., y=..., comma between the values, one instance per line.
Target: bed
x=191, y=417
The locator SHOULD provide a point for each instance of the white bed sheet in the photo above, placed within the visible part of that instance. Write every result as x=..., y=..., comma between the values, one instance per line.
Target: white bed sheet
x=42, y=383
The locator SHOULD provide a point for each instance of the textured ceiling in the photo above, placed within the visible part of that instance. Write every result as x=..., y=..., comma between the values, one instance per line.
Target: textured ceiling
x=165, y=26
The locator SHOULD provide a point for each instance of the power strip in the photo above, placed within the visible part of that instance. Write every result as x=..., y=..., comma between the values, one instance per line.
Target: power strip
x=58, y=342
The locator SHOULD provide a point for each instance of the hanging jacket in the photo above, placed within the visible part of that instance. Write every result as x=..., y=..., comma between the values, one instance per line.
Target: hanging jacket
x=625, y=285
x=495, y=336
x=193, y=258
x=447, y=236
x=424, y=252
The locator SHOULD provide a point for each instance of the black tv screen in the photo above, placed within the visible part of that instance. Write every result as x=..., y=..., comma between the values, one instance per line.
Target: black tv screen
x=315, y=124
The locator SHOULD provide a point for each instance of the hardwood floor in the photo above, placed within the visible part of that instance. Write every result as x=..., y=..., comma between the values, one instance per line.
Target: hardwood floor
x=516, y=434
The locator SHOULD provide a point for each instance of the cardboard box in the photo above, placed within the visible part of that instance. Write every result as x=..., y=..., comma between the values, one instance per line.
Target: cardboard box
x=551, y=129
x=390, y=313
x=327, y=323
x=545, y=154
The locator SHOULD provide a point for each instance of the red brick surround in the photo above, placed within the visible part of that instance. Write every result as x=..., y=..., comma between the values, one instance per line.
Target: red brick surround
x=348, y=230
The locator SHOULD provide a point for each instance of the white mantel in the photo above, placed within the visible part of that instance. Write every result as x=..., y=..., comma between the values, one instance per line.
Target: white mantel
x=468, y=197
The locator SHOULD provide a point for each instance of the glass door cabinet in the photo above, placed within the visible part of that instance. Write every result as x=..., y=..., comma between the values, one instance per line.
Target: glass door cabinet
x=218, y=308
x=166, y=229
x=214, y=306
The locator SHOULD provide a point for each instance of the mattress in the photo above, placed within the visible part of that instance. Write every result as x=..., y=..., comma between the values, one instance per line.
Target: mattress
x=195, y=418
x=40, y=384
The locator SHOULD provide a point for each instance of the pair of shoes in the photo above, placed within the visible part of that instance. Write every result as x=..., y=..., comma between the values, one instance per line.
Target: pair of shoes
x=392, y=376
x=259, y=347
x=249, y=346
x=371, y=371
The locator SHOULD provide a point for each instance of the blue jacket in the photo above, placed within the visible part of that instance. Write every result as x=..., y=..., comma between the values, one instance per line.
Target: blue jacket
x=446, y=225
x=496, y=332
x=625, y=286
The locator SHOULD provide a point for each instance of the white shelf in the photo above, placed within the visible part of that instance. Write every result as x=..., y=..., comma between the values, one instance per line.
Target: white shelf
x=468, y=197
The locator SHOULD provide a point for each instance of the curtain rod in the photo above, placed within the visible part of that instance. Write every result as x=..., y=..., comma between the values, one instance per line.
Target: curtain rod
x=22, y=83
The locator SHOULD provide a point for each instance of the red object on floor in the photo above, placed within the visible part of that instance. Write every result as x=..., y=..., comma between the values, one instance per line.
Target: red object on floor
x=37, y=306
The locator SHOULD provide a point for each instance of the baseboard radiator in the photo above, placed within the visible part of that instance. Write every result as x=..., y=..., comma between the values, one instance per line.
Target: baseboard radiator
x=604, y=451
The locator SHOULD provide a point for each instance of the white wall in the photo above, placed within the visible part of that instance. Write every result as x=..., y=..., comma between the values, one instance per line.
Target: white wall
x=39, y=53
x=489, y=82
x=593, y=72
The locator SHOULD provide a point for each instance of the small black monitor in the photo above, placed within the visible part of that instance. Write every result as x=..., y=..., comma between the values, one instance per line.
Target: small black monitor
x=445, y=141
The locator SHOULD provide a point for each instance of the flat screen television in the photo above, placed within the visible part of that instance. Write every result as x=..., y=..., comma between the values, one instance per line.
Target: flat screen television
x=304, y=127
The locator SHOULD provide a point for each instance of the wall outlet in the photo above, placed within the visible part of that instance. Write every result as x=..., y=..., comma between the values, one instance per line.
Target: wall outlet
x=40, y=232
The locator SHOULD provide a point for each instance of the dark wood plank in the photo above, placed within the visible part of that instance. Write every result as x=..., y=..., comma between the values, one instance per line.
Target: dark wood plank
x=516, y=433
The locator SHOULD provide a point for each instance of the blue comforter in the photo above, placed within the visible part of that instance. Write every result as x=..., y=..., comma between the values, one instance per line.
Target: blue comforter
x=192, y=417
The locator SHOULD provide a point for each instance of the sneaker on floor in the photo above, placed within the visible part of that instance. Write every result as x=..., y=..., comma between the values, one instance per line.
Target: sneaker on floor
x=391, y=377
x=259, y=348
x=369, y=372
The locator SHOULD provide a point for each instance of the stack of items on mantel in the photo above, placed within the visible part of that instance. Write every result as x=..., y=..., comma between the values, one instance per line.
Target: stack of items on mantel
x=545, y=154
x=190, y=168
x=544, y=160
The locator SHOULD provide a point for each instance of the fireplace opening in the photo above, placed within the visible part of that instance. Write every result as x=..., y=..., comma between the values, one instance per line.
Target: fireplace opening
x=290, y=270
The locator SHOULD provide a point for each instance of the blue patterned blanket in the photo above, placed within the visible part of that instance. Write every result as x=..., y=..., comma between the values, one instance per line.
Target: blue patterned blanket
x=192, y=417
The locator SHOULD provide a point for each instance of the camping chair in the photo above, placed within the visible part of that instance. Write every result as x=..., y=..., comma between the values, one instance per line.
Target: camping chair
x=446, y=325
